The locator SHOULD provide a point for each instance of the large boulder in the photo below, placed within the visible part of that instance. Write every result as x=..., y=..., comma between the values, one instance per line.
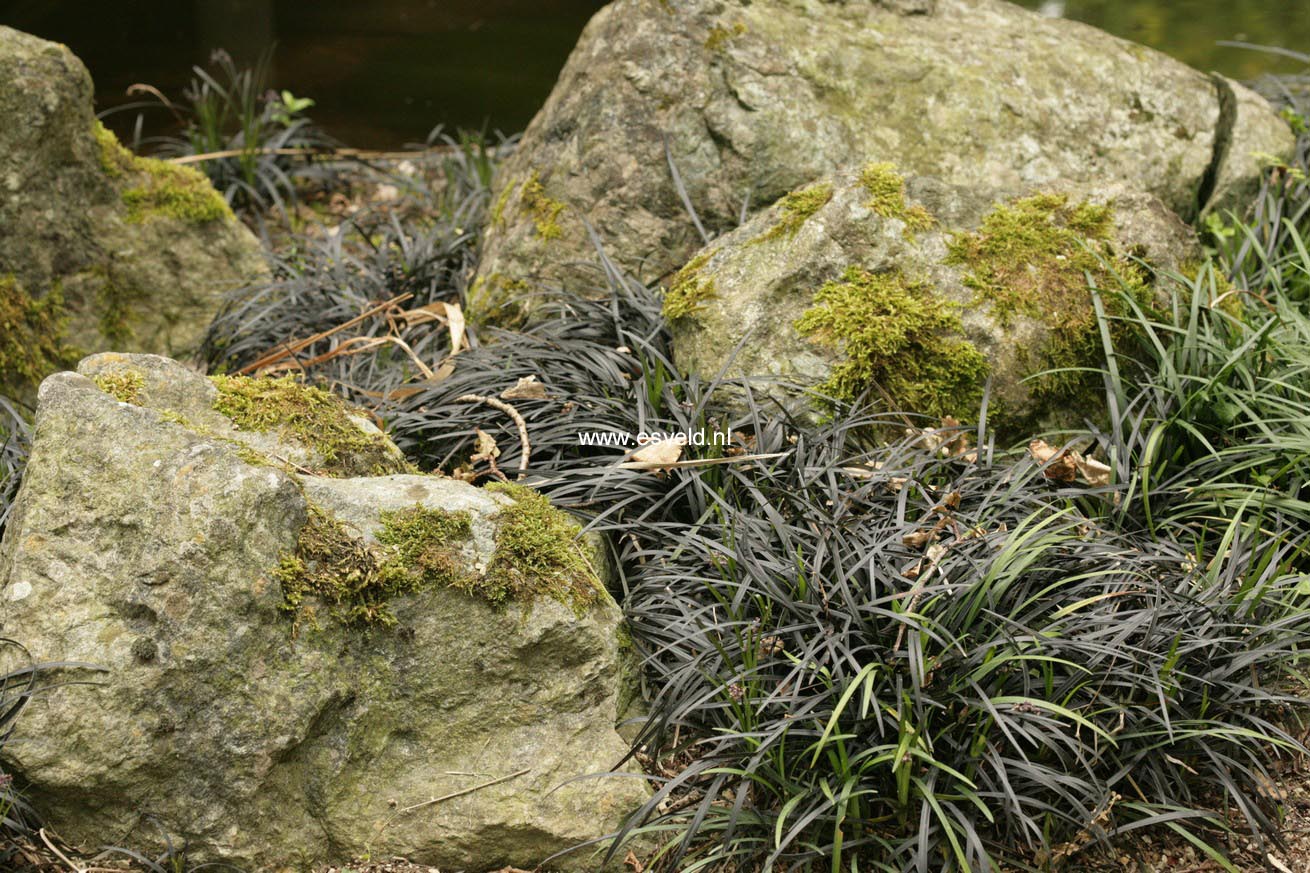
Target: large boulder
x=98, y=248
x=302, y=666
x=918, y=293
x=753, y=99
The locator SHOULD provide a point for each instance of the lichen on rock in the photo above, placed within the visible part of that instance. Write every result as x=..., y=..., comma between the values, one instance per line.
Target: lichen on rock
x=145, y=540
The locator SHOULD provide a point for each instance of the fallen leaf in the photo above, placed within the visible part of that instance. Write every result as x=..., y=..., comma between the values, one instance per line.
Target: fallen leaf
x=661, y=455
x=486, y=448
x=1059, y=465
x=1095, y=472
x=455, y=320
x=526, y=388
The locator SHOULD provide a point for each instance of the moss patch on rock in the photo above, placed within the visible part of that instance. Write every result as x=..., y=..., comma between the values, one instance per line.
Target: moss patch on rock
x=163, y=189
x=544, y=211
x=124, y=385
x=317, y=418
x=32, y=336
x=688, y=290
x=355, y=579
x=538, y=554
x=797, y=208
x=898, y=339
x=1031, y=258
x=719, y=35
x=886, y=190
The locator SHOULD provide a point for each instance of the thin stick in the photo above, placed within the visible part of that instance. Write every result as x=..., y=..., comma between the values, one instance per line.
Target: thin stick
x=62, y=856
x=512, y=413
x=454, y=794
x=317, y=152
x=287, y=350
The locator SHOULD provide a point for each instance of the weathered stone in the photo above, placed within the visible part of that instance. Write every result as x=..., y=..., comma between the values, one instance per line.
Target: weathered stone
x=922, y=322
x=123, y=252
x=755, y=99
x=149, y=537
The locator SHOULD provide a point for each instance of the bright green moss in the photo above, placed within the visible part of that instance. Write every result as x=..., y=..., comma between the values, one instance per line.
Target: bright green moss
x=163, y=189
x=176, y=192
x=797, y=208
x=124, y=385
x=886, y=190
x=32, y=344
x=688, y=290
x=719, y=35
x=425, y=546
x=898, y=341
x=315, y=417
x=538, y=554
x=1031, y=258
x=544, y=211
x=498, y=211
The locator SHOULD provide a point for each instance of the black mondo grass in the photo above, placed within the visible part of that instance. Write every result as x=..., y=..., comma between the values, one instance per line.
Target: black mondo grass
x=858, y=685
x=15, y=438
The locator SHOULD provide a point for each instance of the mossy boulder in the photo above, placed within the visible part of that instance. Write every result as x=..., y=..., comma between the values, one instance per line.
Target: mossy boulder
x=917, y=293
x=299, y=665
x=99, y=248
x=751, y=100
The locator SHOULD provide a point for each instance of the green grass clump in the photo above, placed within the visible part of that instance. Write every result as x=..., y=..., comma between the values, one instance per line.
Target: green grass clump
x=315, y=417
x=797, y=208
x=688, y=290
x=895, y=335
x=538, y=554
x=125, y=385
x=32, y=343
x=886, y=190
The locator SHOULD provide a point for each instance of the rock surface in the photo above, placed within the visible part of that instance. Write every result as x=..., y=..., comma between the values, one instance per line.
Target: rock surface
x=755, y=99
x=920, y=291
x=149, y=539
x=98, y=248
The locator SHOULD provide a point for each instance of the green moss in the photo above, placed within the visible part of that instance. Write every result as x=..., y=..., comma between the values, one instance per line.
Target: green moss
x=425, y=547
x=315, y=417
x=538, y=554
x=417, y=548
x=797, y=208
x=114, y=159
x=498, y=211
x=163, y=189
x=719, y=35
x=544, y=211
x=886, y=190
x=1031, y=258
x=124, y=385
x=688, y=290
x=895, y=334
x=176, y=192
x=32, y=344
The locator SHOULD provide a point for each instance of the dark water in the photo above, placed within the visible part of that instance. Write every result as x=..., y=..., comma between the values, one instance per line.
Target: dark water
x=384, y=72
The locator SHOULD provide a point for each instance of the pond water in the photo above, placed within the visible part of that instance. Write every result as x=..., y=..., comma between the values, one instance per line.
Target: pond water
x=384, y=72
